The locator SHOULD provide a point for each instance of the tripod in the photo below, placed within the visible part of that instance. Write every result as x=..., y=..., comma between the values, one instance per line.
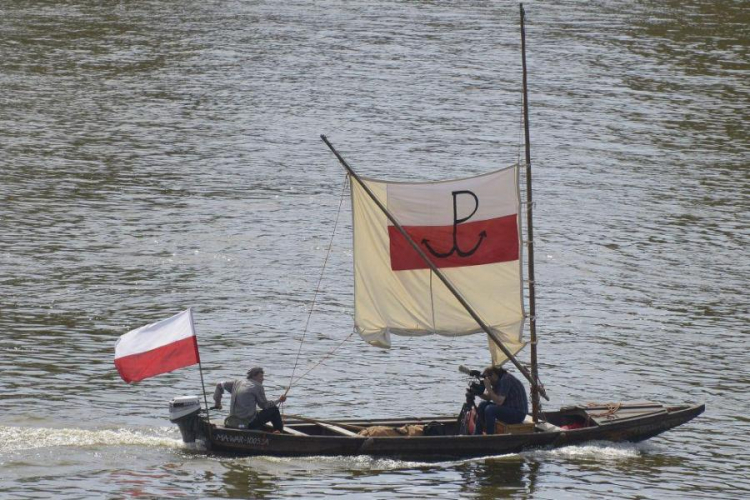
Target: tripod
x=462, y=423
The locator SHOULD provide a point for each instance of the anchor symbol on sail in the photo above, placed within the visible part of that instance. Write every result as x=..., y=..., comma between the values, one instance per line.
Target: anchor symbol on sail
x=456, y=222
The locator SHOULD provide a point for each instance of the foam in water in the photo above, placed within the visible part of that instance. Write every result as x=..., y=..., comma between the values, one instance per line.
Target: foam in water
x=365, y=462
x=28, y=438
x=362, y=462
x=595, y=450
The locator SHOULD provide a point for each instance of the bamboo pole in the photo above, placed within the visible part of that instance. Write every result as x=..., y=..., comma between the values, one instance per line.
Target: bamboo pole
x=432, y=266
x=535, y=387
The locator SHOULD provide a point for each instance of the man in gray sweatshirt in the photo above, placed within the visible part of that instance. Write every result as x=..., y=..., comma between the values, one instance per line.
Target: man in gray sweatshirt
x=246, y=395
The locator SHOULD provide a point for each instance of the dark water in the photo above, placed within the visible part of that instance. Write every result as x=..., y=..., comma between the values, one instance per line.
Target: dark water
x=159, y=155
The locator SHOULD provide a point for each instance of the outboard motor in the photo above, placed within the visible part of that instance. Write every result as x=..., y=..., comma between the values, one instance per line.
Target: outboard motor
x=184, y=411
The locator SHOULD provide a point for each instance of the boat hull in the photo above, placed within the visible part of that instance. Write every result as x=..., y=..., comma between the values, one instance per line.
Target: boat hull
x=220, y=439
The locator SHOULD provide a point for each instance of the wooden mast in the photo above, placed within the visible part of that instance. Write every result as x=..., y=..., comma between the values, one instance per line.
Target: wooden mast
x=535, y=387
x=492, y=335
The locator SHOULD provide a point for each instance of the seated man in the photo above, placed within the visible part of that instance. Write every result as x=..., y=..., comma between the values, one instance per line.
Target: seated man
x=505, y=400
x=246, y=395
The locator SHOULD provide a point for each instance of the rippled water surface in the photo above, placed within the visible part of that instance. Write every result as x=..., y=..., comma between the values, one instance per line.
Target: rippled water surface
x=159, y=155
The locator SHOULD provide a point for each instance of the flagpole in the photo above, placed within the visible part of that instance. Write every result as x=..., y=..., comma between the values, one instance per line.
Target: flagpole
x=492, y=335
x=200, y=367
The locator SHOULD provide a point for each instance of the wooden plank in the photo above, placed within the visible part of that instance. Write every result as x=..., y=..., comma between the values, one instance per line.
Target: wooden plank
x=354, y=428
x=337, y=429
x=604, y=418
x=294, y=432
x=632, y=405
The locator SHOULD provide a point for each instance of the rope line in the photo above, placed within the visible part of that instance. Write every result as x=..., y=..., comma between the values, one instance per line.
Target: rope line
x=323, y=359
x=317, y=288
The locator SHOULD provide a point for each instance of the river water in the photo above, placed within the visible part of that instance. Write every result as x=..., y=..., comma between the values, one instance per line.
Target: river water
x=161, y=155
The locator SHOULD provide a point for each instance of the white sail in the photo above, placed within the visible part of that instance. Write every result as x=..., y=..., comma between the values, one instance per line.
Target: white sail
x=470, y=229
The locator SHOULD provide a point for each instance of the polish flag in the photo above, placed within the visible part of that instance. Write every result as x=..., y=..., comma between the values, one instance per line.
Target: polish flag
x=157, y=348
x=467, y=222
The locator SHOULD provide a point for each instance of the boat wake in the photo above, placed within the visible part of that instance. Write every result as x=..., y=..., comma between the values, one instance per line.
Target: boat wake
x=15, y=439
x=594, y=450
x=362, y=462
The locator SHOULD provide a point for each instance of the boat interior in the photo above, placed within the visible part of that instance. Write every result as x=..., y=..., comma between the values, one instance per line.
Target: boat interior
x=567, y=418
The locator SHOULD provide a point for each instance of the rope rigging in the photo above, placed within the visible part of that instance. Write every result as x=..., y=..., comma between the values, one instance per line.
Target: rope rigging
x=292, y=380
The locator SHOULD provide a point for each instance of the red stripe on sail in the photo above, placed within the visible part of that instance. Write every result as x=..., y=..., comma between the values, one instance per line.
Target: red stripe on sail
x=499, y=243
x=163, y=359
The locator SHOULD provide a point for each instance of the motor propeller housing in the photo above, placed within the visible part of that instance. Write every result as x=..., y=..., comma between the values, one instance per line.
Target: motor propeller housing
x=184, y=412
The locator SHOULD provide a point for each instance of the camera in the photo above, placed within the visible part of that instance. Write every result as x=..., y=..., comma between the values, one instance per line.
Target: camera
x=475, y=388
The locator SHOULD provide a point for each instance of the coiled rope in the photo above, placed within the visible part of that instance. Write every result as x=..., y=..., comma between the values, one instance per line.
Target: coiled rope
x=609, y=414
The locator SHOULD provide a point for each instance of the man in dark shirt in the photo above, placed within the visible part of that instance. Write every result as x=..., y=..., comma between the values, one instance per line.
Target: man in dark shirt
x=504, y=400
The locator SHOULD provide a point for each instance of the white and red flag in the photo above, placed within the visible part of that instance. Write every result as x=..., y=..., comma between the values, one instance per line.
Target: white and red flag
x=157, y=348
x=469, y=228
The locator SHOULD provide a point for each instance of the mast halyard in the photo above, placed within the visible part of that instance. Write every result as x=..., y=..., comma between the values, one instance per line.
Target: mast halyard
x=535, y=388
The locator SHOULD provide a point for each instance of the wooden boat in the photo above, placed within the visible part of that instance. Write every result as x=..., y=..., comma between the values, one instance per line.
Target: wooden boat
x=478, y=288
x=626, y=422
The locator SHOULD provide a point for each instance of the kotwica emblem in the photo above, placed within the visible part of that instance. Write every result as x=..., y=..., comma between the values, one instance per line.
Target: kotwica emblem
x=456, y=221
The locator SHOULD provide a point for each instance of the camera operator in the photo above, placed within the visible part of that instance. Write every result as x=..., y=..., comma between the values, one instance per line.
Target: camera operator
x=504, y=400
